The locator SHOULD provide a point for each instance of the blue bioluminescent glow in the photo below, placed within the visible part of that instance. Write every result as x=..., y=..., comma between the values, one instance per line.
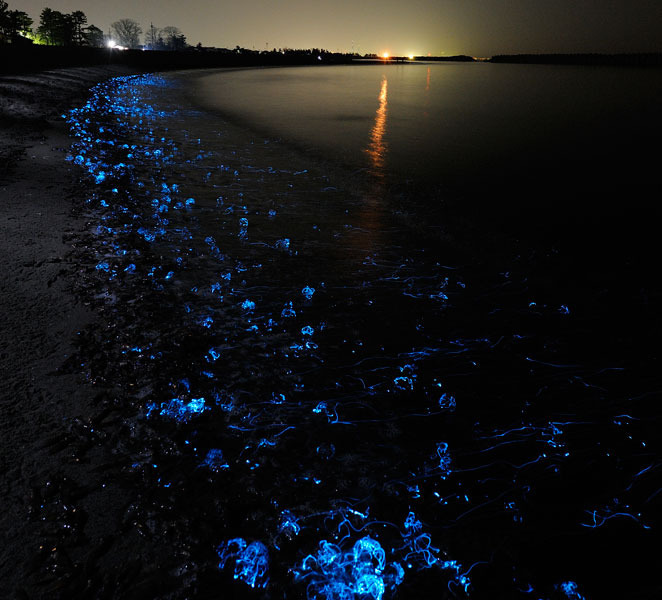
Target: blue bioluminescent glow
x=215, y=460
x=355, y=429
x=571, y=590
x=362, y=572
x=447, y=402
x=289, y=524
x=178, y=409
x=248, y=305
x=251, y=561
x=308, y=292
x=444, y=459
x=288, y=311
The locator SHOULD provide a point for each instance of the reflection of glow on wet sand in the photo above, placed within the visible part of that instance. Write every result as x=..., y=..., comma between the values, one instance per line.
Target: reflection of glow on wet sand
x=377, y=148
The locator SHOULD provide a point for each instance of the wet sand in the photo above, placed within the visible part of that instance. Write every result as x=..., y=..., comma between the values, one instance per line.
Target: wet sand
x=41, y=404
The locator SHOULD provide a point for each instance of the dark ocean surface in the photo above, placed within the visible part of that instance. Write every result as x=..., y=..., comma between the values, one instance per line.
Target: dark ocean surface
x=378, y=331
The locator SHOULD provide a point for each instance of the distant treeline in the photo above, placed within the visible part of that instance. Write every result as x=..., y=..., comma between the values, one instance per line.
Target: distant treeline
x=15, y=58
x=22, y=59
x=626, y=60
x=459, y=58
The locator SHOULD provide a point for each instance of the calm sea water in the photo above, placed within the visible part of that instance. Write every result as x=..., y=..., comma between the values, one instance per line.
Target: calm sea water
x=435, y=121
x=535, y=150
x=369, y=336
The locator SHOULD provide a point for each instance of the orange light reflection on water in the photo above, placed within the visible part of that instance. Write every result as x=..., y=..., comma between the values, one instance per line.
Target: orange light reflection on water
x=369, y=216
x=377, y=148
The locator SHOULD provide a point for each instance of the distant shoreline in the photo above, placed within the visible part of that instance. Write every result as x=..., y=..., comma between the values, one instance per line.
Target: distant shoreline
x=26, y=59
x=625, y=60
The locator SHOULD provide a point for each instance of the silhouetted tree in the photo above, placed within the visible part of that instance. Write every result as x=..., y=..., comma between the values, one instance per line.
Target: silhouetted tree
x=152, y=36
x=56, y=28
x=13, y=23
x=4, y=22
x=173, y=38
x=93, y=36
x=128, y=32
x=179, y=42
x=166, y=38
x=16, y=25
x=47, y=26
x=78, y=22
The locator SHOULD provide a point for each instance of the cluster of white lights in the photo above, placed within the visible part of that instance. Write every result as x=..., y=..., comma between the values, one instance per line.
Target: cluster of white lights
x=115, y=46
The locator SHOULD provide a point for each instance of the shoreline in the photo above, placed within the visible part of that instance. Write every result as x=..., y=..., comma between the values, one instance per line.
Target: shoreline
x=36, y=58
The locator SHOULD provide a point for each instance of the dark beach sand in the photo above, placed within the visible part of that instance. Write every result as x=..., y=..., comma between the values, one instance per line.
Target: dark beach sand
x=41, y=405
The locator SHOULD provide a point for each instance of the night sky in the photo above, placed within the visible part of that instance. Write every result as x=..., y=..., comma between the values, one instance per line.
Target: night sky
x=474, y=27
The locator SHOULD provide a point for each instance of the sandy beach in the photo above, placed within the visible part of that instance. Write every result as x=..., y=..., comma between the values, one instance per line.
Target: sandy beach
x=40, y=319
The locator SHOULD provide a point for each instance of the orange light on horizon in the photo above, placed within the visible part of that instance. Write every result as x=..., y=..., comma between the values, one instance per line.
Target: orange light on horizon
x=385, y=55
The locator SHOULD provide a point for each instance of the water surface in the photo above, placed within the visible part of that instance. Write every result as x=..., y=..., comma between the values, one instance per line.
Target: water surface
x=439, y=121
x=332, y=382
